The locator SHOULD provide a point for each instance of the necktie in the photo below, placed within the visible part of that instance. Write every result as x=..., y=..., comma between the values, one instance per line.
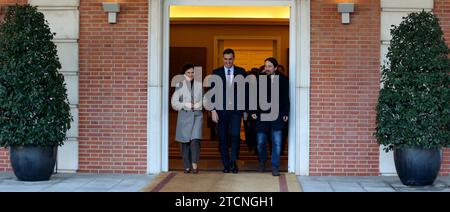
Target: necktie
x=230, y=78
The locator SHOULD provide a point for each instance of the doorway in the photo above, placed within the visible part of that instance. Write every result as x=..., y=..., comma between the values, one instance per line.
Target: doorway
x=299, y=48
x=190, y=40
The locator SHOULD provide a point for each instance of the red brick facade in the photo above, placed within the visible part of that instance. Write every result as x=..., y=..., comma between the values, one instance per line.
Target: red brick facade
x=4, y=3
x=442, y=10
x=113, y=88
x=345, y=71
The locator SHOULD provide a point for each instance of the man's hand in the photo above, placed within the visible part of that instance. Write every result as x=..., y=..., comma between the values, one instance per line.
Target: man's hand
x=285, y=118
x=254, y=116
x=215, y=116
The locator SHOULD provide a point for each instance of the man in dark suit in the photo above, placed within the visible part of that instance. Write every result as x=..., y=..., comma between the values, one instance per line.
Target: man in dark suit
x=227, y=115
x=273, y=126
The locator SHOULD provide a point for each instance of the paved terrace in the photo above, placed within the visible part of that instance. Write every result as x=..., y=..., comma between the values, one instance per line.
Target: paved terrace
x=84, y=182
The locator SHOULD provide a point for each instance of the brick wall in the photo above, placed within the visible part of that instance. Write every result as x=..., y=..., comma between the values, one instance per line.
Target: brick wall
x=10, y=2
x=113, y=88
x=344, y=88
x=442, y=10
x=5, y=3
x=345, y=71
x=4, y=156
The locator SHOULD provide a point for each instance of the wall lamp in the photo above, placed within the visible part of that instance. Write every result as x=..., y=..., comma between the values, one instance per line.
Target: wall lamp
x=345, y=9
x=112, y=9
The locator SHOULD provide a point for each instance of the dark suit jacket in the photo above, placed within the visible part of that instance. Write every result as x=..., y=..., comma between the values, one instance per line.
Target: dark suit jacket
x=284, y=105
x=221, y=72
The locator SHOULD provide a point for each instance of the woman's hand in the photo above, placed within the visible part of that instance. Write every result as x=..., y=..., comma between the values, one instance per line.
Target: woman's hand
x=188, y=105
x=254, y=116
x=198, y=105
x=215, y=116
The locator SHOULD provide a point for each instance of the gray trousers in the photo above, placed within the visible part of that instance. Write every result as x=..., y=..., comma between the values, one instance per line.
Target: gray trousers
x=190, y=153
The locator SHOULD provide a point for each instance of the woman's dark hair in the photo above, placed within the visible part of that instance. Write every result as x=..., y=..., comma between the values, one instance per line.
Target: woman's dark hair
x=186, y=67
x=273, y=61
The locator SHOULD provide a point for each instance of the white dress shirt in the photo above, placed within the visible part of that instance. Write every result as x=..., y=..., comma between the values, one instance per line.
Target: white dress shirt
x=229, y=76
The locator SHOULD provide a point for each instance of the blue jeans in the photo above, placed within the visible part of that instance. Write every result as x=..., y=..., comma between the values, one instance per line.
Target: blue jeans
x=261, y=139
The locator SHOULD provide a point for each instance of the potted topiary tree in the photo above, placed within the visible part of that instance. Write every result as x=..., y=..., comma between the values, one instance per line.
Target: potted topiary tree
x=413, y=111
x=34, y=109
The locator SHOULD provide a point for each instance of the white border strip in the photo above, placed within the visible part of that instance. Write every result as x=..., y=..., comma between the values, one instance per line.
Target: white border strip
x=154, y=114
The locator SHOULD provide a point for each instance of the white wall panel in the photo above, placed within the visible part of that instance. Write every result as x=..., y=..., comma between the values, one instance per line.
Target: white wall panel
x=414, y=4
x=65, y=23
x=72, y=88
x=68, y=55
x=55, y=3
x=387, y=20
x=64, y=20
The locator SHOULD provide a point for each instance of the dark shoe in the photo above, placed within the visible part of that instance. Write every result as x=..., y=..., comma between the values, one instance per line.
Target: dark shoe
x=275, y=172
x=234, y=167
x=187, y=171
x=226, y=170
x=261, y=167
x=195, y=171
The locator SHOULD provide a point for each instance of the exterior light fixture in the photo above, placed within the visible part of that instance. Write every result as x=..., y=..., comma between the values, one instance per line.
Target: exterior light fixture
x=112, y=9
x=345, y=9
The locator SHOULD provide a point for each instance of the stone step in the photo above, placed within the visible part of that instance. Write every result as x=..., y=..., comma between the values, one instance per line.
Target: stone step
x=210, y=158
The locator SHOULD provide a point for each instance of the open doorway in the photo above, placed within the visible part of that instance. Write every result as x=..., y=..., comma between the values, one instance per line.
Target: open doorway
x=158, y=76
x=201, y=41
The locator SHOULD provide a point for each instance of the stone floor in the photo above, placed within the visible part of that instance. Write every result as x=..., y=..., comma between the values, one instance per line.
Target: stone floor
x=79, y=182
x=367, y=184
x=216, y=181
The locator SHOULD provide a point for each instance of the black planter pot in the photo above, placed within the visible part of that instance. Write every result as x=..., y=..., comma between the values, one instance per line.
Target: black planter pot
x=32, y=163
x=417, y=166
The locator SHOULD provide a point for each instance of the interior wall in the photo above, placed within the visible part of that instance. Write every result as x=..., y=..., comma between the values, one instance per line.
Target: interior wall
x=202, y=35
x=251, y=53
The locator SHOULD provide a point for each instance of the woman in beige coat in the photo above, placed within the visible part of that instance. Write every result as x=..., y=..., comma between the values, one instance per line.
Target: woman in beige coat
x=187, y=100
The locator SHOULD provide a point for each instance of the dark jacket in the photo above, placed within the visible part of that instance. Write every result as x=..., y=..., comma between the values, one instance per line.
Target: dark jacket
x=221, y=72
x=284, y=104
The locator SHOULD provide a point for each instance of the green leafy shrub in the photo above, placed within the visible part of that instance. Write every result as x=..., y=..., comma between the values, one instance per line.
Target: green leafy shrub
x=414, y=103
x=34, y=108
